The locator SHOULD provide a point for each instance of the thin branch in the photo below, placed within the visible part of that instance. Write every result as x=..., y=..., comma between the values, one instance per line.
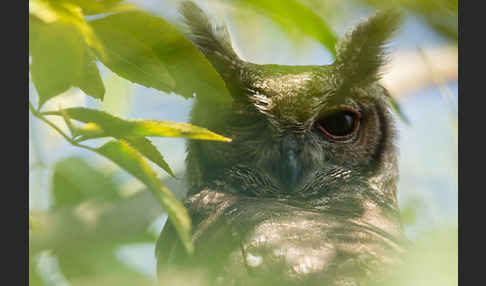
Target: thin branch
x=37, y=114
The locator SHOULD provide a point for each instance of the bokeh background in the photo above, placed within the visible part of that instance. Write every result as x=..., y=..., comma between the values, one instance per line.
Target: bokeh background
x=94, y=238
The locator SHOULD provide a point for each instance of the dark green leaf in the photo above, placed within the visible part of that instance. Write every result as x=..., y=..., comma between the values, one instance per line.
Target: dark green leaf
x=131, y=161
x=147, y=37
x=74, y=181
x=146, y=148
x=102, y=124
x=292, y=14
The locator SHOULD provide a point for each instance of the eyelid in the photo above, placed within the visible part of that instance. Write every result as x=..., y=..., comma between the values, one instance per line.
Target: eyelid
x=340, y=107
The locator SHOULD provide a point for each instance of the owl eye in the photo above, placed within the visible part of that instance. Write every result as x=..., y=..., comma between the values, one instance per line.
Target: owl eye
x=340, y=124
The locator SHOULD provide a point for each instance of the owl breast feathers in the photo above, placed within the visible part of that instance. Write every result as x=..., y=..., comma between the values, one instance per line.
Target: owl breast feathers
x=305, y=194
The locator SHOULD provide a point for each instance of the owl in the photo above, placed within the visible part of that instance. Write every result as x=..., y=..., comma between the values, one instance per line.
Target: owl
x=305, y=194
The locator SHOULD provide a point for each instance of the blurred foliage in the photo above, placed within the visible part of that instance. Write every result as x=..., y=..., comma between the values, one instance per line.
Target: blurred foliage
x=289, y=15
x=441, y=15
x=89, y=216
x=433, y=260
x=74, y=181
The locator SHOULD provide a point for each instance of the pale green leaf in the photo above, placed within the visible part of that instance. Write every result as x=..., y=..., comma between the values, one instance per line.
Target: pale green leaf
x=64, y=12
x=102, y=124
x=147, y=149
x=57, y=58
x=89, y=79
x=43, y=10
x=59, y=38
x=125, y=156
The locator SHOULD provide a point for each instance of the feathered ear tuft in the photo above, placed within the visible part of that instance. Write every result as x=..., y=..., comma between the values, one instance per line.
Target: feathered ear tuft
x=213, y=41
x=361, y=53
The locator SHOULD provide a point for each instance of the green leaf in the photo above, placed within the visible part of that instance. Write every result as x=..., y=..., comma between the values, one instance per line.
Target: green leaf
x=101, y=124
x=89, y=80
x=74, y=181
x=93, y=7
x=125, y=156
x=146, y=148
x=57, y=59
x=131, y=58
x=292, y=14
x=43, y=10
x=59, y=38
x=63, y=12
x=144, y=38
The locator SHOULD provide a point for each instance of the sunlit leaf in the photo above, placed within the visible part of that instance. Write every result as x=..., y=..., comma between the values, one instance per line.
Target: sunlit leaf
x=93, y=7
x=64, y=12
x=146, y=148
x=293, y=14
x=89, y=80
x=57, y=59
x=59, y=38
x=102, y=124
x=125, y=156
x=69, y=124
x=146, y=40
x=43, y=10
x=74, y=181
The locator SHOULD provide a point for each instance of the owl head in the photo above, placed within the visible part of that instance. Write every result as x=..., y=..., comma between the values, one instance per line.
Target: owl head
x=298, y=132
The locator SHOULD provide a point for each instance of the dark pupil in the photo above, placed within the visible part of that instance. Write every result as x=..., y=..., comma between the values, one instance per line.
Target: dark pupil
x=340, y=123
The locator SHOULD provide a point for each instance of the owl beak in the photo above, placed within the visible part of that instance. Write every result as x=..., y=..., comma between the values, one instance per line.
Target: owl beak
x=289, y=165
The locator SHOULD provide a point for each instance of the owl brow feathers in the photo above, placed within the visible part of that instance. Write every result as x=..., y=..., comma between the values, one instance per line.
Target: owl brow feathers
x=361, y=53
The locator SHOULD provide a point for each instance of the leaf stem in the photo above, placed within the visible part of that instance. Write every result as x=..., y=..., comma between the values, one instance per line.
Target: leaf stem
x=38, y=114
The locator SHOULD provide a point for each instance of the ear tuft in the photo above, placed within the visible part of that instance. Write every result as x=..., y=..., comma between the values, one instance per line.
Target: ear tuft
x=361, y=53
x=212, y=40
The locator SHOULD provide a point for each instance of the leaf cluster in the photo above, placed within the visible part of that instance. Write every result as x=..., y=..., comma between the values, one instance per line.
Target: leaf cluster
x=65, y=47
